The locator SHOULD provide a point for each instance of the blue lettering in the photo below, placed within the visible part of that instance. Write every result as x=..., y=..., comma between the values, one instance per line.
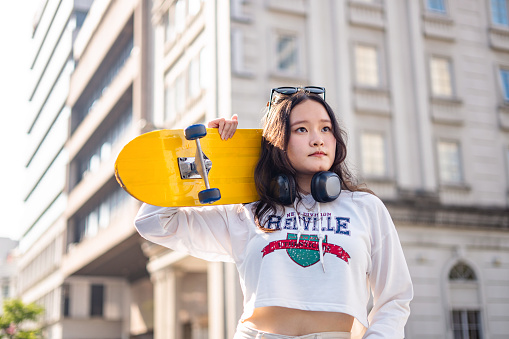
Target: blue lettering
x=290, y=224
x=306, y=220
x=274, y=221
x=342, y=226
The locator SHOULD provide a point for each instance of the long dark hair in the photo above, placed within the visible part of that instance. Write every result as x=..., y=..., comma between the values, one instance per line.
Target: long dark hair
x=274, y=159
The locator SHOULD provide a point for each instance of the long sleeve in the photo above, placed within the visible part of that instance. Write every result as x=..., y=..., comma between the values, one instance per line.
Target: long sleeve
x=389, y=279
x=204, y=232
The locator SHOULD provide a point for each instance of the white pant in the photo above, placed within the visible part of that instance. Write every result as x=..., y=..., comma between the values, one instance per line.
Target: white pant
x=244, y=332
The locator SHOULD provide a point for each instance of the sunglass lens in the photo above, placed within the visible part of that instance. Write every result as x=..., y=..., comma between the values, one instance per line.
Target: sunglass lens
x=315, y=90
x=286, y=90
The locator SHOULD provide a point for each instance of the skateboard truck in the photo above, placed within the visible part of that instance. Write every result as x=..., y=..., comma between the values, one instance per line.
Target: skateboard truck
x=199, y=166
x=188, y=167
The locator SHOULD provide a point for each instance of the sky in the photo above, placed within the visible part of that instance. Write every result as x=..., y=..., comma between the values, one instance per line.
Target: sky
x=15, y=33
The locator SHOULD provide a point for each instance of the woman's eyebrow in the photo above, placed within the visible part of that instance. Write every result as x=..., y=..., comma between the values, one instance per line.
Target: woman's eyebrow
x=307, y=121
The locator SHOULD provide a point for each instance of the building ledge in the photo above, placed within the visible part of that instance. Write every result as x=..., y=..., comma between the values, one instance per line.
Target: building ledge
x=425, y=209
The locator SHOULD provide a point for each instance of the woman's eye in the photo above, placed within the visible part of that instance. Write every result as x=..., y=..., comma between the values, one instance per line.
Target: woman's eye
x=301, y=130
x=327, y=129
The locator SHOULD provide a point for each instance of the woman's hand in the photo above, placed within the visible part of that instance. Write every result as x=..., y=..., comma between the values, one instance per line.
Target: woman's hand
x=225, y=127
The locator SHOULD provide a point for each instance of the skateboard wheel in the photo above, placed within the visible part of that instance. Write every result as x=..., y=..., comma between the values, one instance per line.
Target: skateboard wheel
x=195, y=132
x=209, y=196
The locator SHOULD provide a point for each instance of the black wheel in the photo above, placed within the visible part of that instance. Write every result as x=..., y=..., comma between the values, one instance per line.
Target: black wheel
x=209, y=196
x=195, y=132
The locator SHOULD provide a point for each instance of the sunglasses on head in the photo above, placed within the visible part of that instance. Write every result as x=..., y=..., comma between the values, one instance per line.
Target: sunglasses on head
x=293, y=90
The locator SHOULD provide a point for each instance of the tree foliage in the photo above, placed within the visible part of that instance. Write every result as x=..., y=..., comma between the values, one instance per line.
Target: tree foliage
x=16, y=315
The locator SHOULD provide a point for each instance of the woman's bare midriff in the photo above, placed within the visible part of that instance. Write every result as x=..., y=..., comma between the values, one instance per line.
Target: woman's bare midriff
x=293, y=322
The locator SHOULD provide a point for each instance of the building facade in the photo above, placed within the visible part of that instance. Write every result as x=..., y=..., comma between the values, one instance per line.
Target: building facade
x=55, y=26
x=8, y=269
x=421, y=87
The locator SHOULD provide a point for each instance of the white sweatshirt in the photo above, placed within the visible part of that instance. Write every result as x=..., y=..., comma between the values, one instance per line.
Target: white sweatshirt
x=360, y=251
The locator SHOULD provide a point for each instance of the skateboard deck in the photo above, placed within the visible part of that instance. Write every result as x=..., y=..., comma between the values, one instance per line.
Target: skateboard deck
x=149, y=167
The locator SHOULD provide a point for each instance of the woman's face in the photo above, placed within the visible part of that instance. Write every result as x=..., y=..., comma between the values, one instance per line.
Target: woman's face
x=312, y=145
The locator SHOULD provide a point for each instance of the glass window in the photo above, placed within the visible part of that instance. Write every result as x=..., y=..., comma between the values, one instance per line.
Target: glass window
x=499, y=12
x=504, y=76
x=180, y=16
x=80, y=112
x=436, y=6
x=169, y=25
x=194, y=78
x=96, y=300
x=180, y=93
x=462, y=271
x=237, y=46
x=366, y=66
x=204, y=70
x=466, y=324
x=373, y=154
x=441, y=77
x=237, y=10
x=102, y=152
x=287, y=54
x=450, y=170
x=99, y=216
x=66, y=300
x=170, y=108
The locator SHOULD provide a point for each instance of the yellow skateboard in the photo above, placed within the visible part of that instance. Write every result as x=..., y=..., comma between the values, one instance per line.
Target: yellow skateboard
x=190, y=168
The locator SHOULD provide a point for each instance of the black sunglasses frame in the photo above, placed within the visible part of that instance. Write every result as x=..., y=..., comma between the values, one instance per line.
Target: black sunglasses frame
x=287, y=90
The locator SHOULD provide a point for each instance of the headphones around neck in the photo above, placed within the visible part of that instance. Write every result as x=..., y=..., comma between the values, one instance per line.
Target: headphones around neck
x=325, y=187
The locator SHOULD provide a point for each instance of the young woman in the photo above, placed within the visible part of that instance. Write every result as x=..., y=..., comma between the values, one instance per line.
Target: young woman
x=315, y=246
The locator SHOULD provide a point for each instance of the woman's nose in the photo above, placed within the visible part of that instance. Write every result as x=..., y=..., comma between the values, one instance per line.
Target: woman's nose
x=317, y=140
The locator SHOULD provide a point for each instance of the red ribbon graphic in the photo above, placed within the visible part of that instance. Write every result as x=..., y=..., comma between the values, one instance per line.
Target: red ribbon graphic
x=338, y=251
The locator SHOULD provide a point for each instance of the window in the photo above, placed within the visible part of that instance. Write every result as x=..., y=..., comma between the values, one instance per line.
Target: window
x=237, y=10
x=504, y=77
x=96, y=300
x=104, y=81
x=169, y=25
x=180, y=93
x=436, y=6
x=66, y=298
x=180, y=16
x=193, y=76
x=449, y=161
x=373, y=154
x=366, y=66
x=170, y=108
x=461, y=272
x=499, y=12
x=204, y=69
x=92, y=161
x=466, y=324
x=441, y=77
x=99, y=216
x=465, y=302
x=287, y=54
x=237, y=38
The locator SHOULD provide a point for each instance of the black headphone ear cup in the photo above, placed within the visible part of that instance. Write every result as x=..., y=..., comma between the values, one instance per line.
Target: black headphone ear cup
x=325, y=186
x=282, y=188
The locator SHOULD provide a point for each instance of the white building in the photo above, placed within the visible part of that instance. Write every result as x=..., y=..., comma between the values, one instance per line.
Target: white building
x=422, y=88
x=8, y=270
